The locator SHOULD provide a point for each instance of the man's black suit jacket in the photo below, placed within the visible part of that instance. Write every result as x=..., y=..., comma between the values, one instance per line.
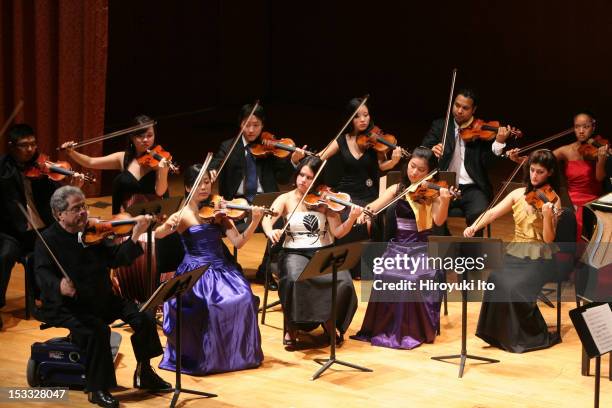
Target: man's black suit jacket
x=270, y=170
x=12, y=221
x=478, y=154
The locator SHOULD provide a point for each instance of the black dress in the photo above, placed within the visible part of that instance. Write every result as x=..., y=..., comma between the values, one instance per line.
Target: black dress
x=360, y=176
x=509, y=317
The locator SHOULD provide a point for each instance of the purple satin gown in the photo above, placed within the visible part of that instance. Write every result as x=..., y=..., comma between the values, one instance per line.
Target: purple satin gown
x=219, y=326
x=404, y=324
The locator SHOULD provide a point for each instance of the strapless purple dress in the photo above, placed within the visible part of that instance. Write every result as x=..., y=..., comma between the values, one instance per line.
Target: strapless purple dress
x=219, y=326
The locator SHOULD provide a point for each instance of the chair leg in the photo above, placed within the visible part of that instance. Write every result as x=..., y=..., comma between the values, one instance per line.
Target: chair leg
x=236, y=254
x=488, y=230
x=559, y=308
x=27, y=291
x=265, y=299
x=445, y=298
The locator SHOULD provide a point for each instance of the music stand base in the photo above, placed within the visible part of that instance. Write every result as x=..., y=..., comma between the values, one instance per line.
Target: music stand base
x=463, y=357
x=177, y=392
x=327, y=362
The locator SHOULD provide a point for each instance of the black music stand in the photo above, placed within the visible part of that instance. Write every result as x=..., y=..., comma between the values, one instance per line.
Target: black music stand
x=588, y=343
x=165, y=207
x=266, y=200
x=175, y=287
x=325, y=261
x=443, y=247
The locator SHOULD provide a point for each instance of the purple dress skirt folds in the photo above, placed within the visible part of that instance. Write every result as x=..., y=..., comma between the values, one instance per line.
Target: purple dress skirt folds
x=219, y=330
x=404, y=320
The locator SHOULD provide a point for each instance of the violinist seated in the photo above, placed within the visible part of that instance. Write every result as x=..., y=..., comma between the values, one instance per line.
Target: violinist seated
x=221, y=305
x=245, y=175
x=470, y=160
x=85, y=304
x=528, y=263
x=16, y=235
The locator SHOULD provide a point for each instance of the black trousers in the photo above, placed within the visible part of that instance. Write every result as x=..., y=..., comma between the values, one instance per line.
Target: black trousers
x=473, y=202
x=92, y=334
x=11, y=252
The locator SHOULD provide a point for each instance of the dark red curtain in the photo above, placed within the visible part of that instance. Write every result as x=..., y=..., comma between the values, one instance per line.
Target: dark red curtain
x=53, y=57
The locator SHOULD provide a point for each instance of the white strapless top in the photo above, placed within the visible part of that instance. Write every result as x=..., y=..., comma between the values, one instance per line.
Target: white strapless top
x=308, y=229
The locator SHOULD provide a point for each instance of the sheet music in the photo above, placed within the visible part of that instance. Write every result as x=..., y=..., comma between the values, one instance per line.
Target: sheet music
x=607, y=199
x=599, y=321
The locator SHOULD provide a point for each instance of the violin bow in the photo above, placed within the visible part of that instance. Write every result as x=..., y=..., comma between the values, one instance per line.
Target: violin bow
x=27, y=216
x=195, y=186
x=448, y=109
x=111, y=135
x=363, y=102
x=11, y=118
x=238, y=136
x=407, y=190
x=543, y=141
x=320, y=154
x=498, y=195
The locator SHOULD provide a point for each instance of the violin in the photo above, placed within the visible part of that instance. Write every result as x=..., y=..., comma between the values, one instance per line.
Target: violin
x=269, y=145
x=379, y=141
x=56, y=171
x=429, y=190
x=235, y=209
x=97, y=230
x=479, y=129
x=542, y=195
x=589, y=149
x=153, y=156
x=323, y=196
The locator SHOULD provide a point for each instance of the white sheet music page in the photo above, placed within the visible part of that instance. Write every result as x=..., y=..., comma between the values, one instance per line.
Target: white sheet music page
x=599, y=322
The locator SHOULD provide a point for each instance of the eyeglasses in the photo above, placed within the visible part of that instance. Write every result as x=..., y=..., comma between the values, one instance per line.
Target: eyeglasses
x=78, y=208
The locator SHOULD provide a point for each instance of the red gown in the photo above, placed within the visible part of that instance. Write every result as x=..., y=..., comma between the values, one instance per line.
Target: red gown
x=582, y=187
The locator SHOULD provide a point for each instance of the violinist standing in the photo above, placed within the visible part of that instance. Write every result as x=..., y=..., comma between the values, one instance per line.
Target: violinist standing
x=509, y=317
x=245, y=175
x=585, y=169
x=135, y=184
x=221, y=309
x=360, y=165
x=16, y=235
x=470, y=161
x=86, y=304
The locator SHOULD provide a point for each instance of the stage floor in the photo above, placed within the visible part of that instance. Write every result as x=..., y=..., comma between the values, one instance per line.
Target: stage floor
x=545, y=378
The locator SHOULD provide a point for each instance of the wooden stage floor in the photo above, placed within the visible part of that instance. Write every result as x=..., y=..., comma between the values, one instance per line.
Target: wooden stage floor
x=546, y=378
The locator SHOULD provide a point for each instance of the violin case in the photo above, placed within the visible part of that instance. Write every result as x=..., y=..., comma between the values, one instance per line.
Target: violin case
x=59, y=362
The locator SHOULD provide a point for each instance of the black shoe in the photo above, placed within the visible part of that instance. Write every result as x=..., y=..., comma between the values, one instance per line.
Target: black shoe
x=103, y=399
x=272, y=285
x=146, y=378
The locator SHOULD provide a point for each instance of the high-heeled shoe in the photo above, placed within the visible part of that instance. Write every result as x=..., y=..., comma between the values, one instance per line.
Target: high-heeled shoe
x=292, y=340
x=339, y=336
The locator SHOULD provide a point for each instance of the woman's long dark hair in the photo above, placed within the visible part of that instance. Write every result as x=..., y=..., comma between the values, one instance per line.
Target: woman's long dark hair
x=546, y=159
x=130, y=150
x=314, y=162
x=422, y=153
x=350, y=109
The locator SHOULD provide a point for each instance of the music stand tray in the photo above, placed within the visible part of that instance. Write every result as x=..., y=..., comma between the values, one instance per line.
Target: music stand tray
x=175, y=287
x=323, y=262
x=443, y=246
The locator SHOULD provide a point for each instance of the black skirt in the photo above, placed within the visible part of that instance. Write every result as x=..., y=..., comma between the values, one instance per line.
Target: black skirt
x=509, y=317
x=306, y=304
